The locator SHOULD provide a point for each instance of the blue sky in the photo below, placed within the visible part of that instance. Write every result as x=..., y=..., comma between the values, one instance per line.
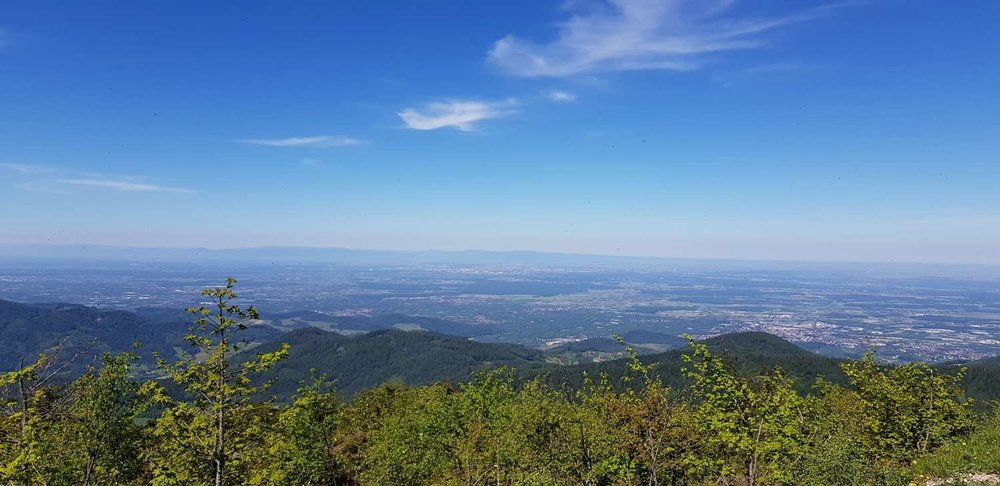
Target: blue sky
x=727, y=129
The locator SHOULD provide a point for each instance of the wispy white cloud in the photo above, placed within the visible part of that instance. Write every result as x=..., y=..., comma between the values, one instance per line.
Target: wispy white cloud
x=45, y=178
x=561, y=96
x=641, y=34
x=458, y=114
x=121, y=185
x=24, y=168
x=317, y=141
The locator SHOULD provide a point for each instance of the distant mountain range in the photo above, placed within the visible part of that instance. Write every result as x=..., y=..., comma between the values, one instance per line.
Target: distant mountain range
x=349, y=256
x=328, y=255
x=408, y=349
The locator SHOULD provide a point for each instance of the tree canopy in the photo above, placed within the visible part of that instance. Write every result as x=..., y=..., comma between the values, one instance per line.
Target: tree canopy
x=712, y=421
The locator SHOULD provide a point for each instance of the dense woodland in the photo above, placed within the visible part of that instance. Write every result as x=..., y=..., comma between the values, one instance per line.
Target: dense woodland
x=708, y=414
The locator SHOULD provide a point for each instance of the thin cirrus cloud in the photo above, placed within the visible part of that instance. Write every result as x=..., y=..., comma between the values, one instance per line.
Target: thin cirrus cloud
x=41, y=178
x=317, y=141
x=24, y=168
x=561, y=96
x=121, y=185
x=458, y=114
x=629, y=35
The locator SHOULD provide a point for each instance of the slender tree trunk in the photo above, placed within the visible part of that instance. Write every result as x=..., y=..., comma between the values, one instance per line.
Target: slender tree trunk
x=220, y=445
x=220, y=450
x=23, y=394
x=927, y=428
x=89, y=470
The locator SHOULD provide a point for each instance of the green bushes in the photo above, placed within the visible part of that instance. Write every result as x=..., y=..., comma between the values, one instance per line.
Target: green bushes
x=976, y=453
x=888, y=426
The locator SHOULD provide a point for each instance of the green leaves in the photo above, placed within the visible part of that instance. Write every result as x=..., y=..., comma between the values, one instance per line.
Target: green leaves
x=751, y=422
x=211, y=438
x=910, y=409
x=84, y=433
x=719, y=426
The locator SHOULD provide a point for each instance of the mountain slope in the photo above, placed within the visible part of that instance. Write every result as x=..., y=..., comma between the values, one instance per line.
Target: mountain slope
x=982, y=379
x=86, y=332
x=29, y=329
x=749, y=352
x=420, y=357
x=413, y=357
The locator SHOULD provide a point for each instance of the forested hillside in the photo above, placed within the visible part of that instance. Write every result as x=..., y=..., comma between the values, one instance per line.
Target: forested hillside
x=359, y=362
x=982, y=378
x=724, y=411
x=749, y=352
x=84, y=333
x=406, y=357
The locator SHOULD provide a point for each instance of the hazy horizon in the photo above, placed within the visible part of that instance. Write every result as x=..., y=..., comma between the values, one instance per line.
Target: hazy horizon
x=304, y=253
x=801, y=131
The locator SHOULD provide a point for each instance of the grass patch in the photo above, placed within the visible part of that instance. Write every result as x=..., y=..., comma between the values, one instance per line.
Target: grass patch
x=978, y=452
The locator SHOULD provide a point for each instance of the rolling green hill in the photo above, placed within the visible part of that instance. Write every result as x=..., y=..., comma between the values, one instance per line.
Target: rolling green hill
x=84, y=333
x=386, y=354
x=420, y=357
x=366, y=360
x=752, y=352
x=747, y=351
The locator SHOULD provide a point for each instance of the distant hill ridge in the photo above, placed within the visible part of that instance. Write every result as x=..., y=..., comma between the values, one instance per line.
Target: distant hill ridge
x=86, y=332
x=326, y=254
x=748, y=351
x=351, y=256
x=414, y=357
x=365, y=360
x=30, y=329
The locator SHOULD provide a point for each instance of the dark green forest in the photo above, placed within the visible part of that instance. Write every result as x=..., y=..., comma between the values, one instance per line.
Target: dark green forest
x=315, y=408
x=385, y=355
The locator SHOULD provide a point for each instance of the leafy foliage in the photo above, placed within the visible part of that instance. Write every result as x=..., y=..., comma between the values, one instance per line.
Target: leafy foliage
x=908, y=410
x=207, y=439
x=753, y=424
x=977, y=452
x=724, y=412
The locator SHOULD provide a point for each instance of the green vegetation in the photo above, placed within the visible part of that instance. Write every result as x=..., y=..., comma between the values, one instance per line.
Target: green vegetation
x=976, y=453
x=723, y=413
x=359, y=362
x=87, y=333
x=220, y=425
x=747, y=352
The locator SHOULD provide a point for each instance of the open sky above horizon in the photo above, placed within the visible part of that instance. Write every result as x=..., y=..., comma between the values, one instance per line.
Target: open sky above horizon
x=851, y=131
